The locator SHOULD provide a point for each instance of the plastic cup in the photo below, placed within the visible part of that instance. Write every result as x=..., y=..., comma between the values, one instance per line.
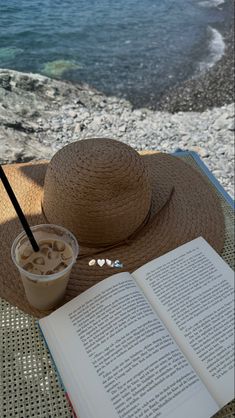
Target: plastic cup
x=45, y=290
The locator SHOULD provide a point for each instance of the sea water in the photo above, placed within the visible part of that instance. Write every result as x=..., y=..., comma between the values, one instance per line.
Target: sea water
x=130, y=48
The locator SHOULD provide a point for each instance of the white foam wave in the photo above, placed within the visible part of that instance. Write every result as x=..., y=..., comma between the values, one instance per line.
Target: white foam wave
x=211, y=3
x=216, y=50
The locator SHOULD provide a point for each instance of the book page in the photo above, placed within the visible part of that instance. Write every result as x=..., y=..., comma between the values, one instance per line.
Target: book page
x=192, y=290
x=120, y=358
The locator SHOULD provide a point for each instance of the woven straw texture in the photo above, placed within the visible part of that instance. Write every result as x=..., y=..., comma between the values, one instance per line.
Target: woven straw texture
x=29, y=385
x=101, y=181
x=193, y=210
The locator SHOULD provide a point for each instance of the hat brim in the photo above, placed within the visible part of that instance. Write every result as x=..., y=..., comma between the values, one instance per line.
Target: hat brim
x=193, y=210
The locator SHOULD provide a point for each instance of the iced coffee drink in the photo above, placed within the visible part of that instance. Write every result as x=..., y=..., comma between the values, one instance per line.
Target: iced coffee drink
x=45, y=273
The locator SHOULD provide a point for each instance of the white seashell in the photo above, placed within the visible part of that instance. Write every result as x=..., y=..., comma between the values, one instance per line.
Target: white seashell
x=92, y=262
x=108, y=262
x=101, y=262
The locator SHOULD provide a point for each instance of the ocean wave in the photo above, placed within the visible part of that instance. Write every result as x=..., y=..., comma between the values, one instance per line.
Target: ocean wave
x=211, y=3
x=216, y=49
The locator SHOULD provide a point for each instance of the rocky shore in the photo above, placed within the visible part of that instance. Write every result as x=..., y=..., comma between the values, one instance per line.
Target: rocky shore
x=211, y=89
x=39, y=115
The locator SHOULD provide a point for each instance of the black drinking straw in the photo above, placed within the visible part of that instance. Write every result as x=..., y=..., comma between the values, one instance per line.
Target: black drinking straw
x=18, y=210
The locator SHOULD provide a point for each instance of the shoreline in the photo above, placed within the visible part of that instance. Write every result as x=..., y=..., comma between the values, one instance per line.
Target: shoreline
x=209, y=88
x=213, y=88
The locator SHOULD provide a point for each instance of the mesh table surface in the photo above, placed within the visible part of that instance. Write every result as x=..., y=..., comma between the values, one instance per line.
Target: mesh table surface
x=29, y=384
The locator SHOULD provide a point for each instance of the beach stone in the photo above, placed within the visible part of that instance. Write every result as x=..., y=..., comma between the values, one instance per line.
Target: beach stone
x=5, y=81
x=77, y=128
x=222, y=122
x=232, y=126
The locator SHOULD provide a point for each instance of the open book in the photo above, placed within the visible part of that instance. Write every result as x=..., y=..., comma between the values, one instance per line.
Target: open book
x=155, y=343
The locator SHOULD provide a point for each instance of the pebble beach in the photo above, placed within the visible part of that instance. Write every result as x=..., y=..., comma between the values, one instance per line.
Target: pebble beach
x=209, y=89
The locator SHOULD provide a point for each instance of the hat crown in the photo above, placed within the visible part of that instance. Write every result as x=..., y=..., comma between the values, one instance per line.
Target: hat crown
x=99, y=189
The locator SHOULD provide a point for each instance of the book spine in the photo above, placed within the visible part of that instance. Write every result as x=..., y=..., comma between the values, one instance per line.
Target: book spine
x=71, y=406
x=58, y=374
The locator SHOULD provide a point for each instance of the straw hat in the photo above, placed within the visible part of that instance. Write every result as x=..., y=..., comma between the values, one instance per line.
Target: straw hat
x=120, y=205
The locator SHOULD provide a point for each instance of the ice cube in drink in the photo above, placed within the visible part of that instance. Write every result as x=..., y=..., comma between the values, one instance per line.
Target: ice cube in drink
x=45, y=273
